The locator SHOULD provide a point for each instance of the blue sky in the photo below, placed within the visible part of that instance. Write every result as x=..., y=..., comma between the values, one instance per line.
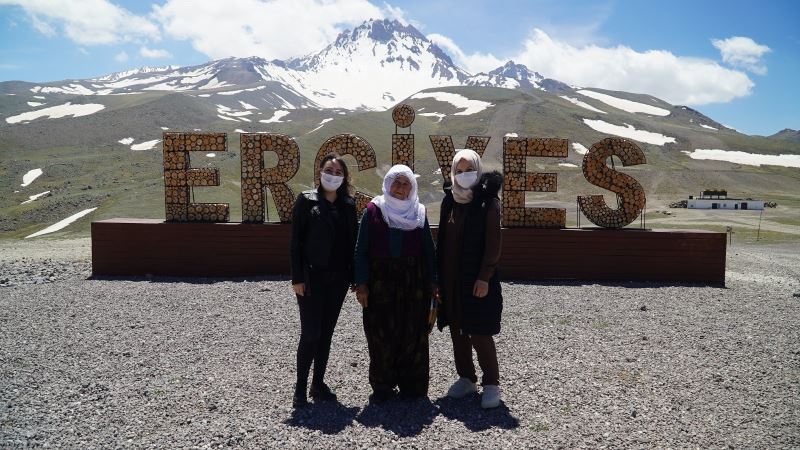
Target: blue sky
x=735, y=61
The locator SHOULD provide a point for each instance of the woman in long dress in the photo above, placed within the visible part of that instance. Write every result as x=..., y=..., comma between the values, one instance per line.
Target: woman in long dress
x=395, y=281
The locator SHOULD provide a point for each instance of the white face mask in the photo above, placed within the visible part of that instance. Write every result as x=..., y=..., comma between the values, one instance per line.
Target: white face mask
x=330, y=182
x=467, y=179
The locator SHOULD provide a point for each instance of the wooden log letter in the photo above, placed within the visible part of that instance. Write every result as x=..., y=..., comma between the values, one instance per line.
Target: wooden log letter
x=517, y=181
x=256, y=179
x=630, y=194
x=179, y=178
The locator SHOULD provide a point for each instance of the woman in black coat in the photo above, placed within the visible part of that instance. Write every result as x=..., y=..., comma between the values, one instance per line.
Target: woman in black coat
x=324, y=227
x=469, y=243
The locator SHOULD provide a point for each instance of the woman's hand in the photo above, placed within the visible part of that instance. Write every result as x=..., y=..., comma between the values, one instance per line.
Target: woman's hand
x=362, y=294
x=480, y=289
x=299, y=289
x=435, y=293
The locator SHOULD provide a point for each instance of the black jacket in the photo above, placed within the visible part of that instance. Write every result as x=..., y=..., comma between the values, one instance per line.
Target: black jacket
x=478, y=315
x=313, y=234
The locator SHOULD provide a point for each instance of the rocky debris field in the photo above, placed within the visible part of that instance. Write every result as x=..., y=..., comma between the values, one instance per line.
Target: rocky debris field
x=156, y=362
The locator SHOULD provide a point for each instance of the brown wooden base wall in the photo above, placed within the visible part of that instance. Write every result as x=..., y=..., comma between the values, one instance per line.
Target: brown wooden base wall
x=131, y=247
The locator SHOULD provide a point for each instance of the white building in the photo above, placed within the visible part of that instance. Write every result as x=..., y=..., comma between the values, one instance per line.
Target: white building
x=719, y=200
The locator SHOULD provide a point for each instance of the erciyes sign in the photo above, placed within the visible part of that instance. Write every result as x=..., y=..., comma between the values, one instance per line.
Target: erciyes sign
x=256, y=179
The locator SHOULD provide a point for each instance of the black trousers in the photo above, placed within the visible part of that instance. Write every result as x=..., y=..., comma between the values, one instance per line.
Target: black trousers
x=319, y=312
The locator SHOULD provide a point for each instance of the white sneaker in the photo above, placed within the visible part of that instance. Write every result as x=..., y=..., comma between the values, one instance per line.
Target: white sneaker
x=490, y=397
x=462, y=387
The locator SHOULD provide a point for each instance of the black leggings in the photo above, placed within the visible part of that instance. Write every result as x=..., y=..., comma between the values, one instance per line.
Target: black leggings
x=319, y=313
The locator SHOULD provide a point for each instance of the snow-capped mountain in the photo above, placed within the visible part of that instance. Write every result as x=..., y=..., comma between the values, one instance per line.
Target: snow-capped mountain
x=389, y=60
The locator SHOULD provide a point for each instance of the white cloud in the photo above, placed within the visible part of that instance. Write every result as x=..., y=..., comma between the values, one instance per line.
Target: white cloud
x=87, y=22
x=676, y=79
x=473, y=63
x=270, y=29
x=42, y=27
x=121, y=56
x=394, y=12
x=743, y=52
x=154, y=53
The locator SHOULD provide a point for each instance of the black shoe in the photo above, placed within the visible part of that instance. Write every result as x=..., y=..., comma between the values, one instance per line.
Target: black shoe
x=410, y=395
x=299, y=400
x=322, y=392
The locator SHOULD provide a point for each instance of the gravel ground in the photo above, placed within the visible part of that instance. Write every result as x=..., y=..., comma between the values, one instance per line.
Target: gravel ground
x=98, y=363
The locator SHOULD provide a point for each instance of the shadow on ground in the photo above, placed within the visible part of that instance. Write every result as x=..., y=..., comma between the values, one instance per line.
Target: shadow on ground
x=329, y=417
x=468, y=411
x=402, y=417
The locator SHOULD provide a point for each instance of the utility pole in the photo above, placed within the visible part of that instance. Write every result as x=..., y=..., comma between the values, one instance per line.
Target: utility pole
x=758, y=234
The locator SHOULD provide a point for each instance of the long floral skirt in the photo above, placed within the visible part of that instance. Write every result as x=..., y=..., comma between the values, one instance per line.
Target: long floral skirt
x=395, y=323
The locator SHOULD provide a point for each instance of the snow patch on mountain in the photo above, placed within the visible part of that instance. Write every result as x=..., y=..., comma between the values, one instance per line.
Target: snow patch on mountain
x=457, y=100
x=321, y=124
x=276, y=117
x=628, y=131
x=625, y=105
x=123, y=83
x=56, y=112
x=147, y=145
x=34, y=197
x=579, y=148
x=31, y=175
x=173, y=85
x=128, y=73
x=577, y=102
x=62, y=223
x=214, y=83
x=126, y=141
x=750, y=159
x=73, y=89
x=439, y=116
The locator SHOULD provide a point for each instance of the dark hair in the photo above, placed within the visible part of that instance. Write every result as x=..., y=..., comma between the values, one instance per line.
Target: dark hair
x=346, y=189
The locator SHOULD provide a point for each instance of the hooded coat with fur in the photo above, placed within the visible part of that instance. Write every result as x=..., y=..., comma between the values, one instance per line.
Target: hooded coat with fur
x=478, y=315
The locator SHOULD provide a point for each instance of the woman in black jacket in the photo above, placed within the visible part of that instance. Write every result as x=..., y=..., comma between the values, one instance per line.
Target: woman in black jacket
x=469, y=243
x=324, y=227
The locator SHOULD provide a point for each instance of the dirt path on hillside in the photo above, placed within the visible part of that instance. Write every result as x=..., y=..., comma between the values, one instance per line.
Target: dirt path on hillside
x=505, y=120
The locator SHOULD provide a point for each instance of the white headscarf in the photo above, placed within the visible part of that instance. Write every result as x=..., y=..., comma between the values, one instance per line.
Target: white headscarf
x=405, y=214
x=463, y=194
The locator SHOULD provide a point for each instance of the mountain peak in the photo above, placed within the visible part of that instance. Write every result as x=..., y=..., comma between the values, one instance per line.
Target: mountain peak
x=787, y=134
x=381, y=53
x=519, y=72
x=510, y=75
x=378, y=30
